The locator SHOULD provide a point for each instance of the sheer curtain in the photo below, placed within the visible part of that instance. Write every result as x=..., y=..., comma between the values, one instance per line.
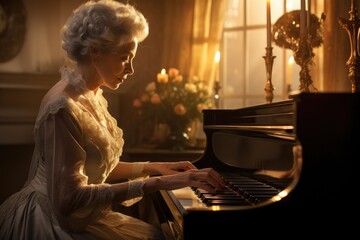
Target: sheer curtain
x=193, y=32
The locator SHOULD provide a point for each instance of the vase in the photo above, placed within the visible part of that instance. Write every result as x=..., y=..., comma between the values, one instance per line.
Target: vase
x=178, y=138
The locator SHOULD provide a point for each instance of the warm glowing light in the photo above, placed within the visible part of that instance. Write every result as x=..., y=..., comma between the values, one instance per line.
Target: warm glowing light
x=276, y=198
x=291, y=60
x=217, y=56
x=289, y=6
x=162, y=77
x=280, y=196
x=215, y=208
x=283, y=194
x=217, y=60
x=289, y=71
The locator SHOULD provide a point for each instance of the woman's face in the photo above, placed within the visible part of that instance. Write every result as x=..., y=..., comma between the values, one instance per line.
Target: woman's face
x=114, y=68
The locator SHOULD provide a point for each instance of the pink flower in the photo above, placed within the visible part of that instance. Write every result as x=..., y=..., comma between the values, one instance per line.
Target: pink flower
x=173, y=72
x=150, y=87
x=137, y=103
x=179, y=109
x=145, y=97
x=201, y=107
x=155, y=99
x=178, y=78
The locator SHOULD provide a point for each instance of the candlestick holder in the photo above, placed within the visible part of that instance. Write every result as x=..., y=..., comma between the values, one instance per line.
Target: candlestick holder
x=303, y=56
x=216, y=94
x=352, y=28
x=269, y=88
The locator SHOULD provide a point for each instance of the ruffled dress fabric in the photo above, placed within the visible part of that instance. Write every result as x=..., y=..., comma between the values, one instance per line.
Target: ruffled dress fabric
x=77, y=145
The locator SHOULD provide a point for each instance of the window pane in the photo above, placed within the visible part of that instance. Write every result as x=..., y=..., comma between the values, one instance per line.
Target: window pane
x=255, y=50
x=292, y=5
x=277, y=9
x=256, y=12
x=233, y=103
x=255, y=101
x=233, y=80
x=234, y=16
x=278, y=73
x=244, y=46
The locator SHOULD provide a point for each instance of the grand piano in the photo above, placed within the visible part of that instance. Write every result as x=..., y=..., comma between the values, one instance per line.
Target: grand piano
x=289, y=166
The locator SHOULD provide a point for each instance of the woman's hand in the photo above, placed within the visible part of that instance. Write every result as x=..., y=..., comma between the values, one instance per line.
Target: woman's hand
x=206, y=178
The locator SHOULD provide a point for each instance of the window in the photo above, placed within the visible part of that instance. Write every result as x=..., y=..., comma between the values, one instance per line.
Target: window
x=242, y=71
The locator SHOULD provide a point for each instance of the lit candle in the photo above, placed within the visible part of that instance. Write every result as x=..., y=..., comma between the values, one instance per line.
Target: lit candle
x=217, y=60
x=162, y=77
x=302, y=18
x=289, y=71
x=268, y=23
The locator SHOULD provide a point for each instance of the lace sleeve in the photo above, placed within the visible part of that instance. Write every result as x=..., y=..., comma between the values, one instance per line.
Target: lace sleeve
x=135, y=192
x=65, y=157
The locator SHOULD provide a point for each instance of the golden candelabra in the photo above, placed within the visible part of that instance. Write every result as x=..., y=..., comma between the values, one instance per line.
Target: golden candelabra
x=352, y=28
x=303, y=56
x=269, y=88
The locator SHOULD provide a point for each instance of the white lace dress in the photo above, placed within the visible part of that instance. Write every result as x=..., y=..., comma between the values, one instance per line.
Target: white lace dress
x=77, y=145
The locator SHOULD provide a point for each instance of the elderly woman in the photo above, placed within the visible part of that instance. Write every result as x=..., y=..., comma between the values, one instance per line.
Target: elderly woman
x=78, y=144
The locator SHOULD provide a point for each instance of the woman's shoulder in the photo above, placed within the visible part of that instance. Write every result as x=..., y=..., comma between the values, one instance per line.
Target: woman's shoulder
x=52, y=103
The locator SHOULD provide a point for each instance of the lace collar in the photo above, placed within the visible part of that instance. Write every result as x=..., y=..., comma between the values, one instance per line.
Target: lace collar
x=74, y=78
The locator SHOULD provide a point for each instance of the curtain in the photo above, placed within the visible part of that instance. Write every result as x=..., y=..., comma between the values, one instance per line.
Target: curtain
x=207, y=32
x=336, y=47
x=193, y=30
x=178, y=19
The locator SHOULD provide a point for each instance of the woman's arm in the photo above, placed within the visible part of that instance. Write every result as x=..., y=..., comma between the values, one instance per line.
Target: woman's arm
x=127, y=170
x=67, y=184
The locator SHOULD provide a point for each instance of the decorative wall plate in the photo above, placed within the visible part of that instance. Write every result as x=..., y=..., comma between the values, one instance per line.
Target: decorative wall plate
x=12, y=28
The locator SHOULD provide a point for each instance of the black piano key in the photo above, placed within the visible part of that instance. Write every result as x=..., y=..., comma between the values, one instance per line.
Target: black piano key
x=251, y=193
x=243, y=190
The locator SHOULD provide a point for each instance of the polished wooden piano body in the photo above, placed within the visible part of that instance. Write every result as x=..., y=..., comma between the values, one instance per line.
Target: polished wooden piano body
x=312, y=140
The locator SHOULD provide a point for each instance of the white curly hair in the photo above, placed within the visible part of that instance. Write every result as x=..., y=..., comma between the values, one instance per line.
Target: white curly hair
x=104, y=25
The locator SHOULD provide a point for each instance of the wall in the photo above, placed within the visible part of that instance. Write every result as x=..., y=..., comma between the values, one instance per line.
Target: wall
x=26, y=78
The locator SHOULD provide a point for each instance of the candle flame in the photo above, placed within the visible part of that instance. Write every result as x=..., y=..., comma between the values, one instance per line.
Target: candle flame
x=217, y=56
x=163, y=71
x=291, y=60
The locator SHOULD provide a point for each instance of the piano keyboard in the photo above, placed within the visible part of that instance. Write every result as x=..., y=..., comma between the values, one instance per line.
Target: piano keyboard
x=240, y=191
x=243, y=190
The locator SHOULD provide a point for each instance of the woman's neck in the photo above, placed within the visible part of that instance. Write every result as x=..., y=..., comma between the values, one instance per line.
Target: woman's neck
x=91, y=77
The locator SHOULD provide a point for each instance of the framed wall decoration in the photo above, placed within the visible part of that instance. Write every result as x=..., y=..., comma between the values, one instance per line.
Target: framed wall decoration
x=12, y=28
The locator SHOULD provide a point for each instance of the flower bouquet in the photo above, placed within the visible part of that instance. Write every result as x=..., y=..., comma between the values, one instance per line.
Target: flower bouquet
x=174, y=101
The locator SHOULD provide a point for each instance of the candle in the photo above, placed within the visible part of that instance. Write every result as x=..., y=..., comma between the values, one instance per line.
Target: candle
x=302, y=18
x=162, y=77
x=268, y=23
x=308, y=15
x=289, y=71
x=217, y=60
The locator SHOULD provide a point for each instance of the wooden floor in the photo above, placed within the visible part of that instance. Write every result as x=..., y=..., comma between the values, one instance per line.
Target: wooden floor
x=14, y=165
